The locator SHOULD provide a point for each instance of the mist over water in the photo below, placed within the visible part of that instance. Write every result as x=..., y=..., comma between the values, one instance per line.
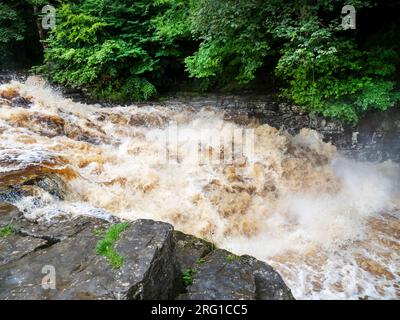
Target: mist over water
x=328, y=224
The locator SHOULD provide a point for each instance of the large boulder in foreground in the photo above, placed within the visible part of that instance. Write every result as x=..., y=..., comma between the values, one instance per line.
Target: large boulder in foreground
x=156, y=259
x=190, y=250
x=14, y=247
x=22, y=279
x=149, y=270
x=8, y=213
x=221, y=275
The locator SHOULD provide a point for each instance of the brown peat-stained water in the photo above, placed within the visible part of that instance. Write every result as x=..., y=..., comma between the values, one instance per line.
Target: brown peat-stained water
x=329, y=225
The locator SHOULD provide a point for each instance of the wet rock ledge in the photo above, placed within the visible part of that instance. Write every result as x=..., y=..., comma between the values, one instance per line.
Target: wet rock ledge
x=58, y=260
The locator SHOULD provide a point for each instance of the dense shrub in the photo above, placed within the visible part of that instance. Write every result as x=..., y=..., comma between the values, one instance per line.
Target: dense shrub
x=18, y=33
x=322, y=66
x=109, y=46
x=330, y=75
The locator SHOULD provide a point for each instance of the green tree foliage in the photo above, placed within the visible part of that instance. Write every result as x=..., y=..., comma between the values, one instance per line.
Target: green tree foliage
x=110, y=46
x=329, y=74
x=19, y=39
x=321, y=65
x=230, y=45
x=12, y=28
x=11, y=24
x=123, y=50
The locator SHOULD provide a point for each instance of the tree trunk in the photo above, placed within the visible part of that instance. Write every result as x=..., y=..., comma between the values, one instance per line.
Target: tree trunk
x=42, y=37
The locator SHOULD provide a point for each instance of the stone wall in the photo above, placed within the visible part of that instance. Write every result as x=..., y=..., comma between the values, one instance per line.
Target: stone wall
x=375, y=138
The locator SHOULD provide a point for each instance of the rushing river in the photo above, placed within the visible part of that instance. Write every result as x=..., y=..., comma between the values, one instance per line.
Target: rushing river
x=329, y=225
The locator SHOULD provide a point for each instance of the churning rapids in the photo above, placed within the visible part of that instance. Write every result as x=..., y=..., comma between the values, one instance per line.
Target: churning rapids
x=329, y=225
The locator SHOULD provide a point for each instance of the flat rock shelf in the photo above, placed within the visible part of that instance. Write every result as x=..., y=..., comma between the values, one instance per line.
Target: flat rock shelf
x=155, y=260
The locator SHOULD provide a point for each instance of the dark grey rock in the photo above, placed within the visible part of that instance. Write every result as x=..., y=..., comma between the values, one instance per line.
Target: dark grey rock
x=50, y=183
x=8, y=214
x=21, y=102
x=269, y=284
x=14, y=247
x=189, y=249
x=220, y=279
x=149, y=270
x=22, y=279
x=57, y=229
x=224, y=276
x=53, y=184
